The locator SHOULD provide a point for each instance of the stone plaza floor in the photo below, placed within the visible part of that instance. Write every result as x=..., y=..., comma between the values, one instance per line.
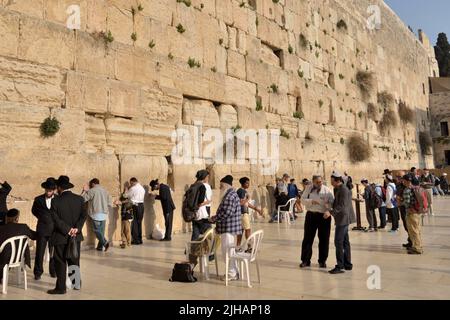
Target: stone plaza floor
x=142, y=272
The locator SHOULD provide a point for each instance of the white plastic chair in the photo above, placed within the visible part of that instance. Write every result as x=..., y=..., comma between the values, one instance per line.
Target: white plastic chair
x=287, y=214
x=245, y=258
x=17, y=259
x=211, y=239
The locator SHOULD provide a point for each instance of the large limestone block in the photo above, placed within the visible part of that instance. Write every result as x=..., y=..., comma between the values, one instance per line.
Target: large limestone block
x=120, y=23
x=87, y=93
x=224, y=11
x=250, y=118
x=144, y=168
x=33, y=8
x=46, y=43
x=26, y=173
x=227, y=116
x=236, y=64
x=9, y=33
x=271, y=33
x=93, y=56
x=95, y=134
x=134, y=137
x=160, y=105
x=221, y=59
x=20, y=127
x=240, y=16
x=136, y=65
x=123, y=99
x=200, y=111
x=30, y=83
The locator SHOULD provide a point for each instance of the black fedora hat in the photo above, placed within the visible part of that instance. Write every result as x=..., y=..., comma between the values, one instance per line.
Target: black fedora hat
x=64, y=183
x=50, y=183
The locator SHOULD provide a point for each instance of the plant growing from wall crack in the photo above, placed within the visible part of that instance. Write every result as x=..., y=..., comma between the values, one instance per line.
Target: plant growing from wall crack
x=49, y=127
x=180, y=28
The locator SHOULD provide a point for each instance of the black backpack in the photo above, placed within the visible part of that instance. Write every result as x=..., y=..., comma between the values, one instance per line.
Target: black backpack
x=375, y=201
x=183, y=272
x=190, y=202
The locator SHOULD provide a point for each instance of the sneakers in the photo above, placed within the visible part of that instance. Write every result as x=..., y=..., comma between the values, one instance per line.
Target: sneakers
x=106, y=246
x=407, y=245
x=393, y=231
x=371, y=230
x=230, y=278
x=413, y=251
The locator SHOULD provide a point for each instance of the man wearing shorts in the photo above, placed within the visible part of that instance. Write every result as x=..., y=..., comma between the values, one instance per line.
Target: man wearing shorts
x=244, y=197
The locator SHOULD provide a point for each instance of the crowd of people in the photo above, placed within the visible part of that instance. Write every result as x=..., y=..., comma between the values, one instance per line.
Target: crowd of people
x=61, y=214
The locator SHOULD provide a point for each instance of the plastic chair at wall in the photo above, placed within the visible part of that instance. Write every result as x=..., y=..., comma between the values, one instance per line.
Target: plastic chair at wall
x=17, y=260
x=289, y=213
x=207, y=248
x=245, y=258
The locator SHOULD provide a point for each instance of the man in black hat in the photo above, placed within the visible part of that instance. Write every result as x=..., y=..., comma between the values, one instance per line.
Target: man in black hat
x=5, y=189
x=165, y=195
x=13, y=229
x=41, y=209
x=69, y=214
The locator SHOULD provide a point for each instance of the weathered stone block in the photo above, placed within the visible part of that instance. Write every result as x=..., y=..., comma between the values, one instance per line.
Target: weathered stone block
x=236, y=64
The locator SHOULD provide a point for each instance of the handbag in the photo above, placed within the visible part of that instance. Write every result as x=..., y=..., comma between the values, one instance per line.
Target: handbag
x=72, y=249
x=183, y=272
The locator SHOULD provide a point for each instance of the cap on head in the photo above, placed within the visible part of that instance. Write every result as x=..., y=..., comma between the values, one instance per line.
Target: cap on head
x=202, y=174
x=336, y=174
x=228, y=180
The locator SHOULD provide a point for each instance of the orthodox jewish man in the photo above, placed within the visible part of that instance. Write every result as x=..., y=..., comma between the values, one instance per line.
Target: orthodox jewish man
x=167, y=204
x=41, y=210
x=69, y=215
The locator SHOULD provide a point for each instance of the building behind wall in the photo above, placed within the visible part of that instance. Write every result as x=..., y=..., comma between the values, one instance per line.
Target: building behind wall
x=440, y=120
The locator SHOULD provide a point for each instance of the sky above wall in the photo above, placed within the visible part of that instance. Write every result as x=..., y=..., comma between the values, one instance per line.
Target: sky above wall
x=432, y=16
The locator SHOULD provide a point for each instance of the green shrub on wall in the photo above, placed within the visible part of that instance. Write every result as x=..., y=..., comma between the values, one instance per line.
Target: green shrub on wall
x=358, y=149
x=49, y=127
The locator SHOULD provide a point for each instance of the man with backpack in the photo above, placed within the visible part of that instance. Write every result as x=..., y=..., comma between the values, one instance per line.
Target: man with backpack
x=194, y=205
x=416, y=203
x=382, y=208
x=391, y=201
x=372, y=202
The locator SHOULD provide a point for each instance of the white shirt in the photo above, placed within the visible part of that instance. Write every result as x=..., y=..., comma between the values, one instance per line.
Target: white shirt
x=136, y=194
x=325, y=197
x=48, y=202
x=202, y=212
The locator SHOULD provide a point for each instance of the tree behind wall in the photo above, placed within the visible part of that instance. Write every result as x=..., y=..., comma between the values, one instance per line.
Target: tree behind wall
x=442, y=50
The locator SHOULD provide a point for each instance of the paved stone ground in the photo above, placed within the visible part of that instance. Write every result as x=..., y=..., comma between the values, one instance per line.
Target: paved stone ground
x=143, y=272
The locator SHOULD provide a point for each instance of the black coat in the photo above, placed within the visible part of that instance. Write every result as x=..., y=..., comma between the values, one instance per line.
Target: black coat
x=68, y=211
x=45, y=223
x=13, y=230
x=166, y=198
x=4, y=191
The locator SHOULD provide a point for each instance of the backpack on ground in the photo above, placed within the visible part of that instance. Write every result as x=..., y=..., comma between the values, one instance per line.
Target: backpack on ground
x=421, y=200
x=183, y=272
x=190, y=202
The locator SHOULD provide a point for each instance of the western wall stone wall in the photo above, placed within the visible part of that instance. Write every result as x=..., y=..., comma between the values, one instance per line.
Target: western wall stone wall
x=119, y=102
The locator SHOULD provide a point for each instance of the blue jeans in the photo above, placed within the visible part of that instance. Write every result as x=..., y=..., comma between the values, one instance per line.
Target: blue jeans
x=99, y=230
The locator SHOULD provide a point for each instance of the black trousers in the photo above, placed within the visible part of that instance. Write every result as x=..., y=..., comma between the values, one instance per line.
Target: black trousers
x=394, y=216
x=136, y=225
x=314, y=221
x=168, y=219
x=61, y=263
x=41, y=244
x=343, y=249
